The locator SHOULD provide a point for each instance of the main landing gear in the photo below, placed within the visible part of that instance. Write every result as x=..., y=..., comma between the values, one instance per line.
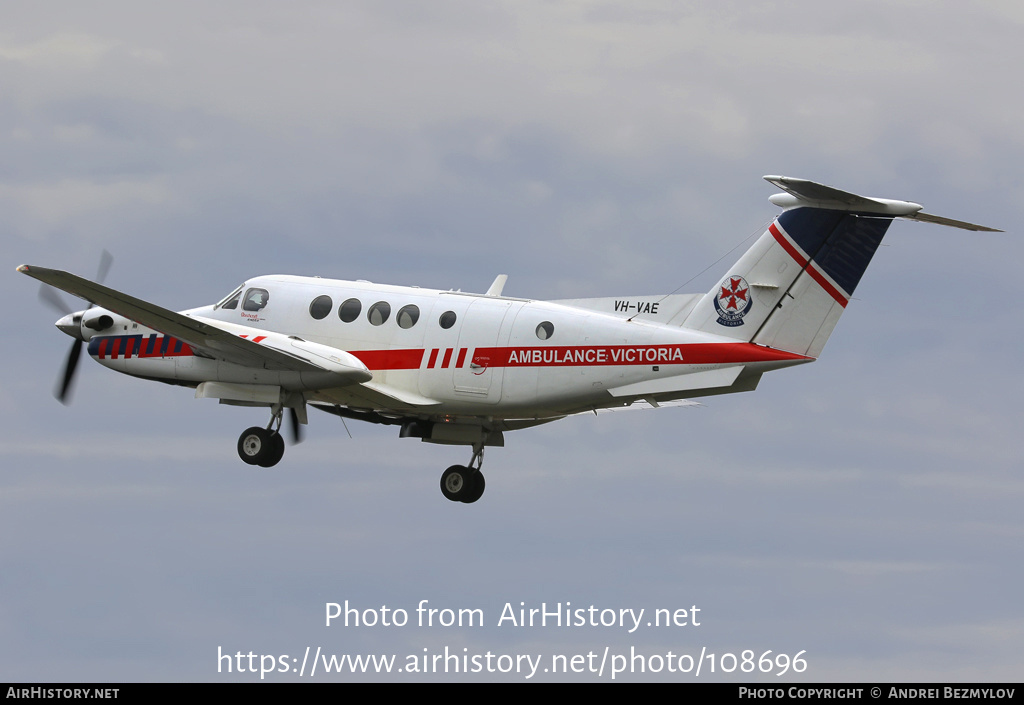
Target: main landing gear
x=262, y=446
x=461, y=483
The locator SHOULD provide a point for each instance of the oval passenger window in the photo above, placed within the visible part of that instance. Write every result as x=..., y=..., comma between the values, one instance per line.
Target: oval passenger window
x=408, y=315
x=378, y=313
x=349, y=311
x=320, y=307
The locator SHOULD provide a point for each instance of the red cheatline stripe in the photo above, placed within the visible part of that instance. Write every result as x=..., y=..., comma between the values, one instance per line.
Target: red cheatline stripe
x=609, y=355
x=410, y=359
x=583, y=356
x=580, y=356
x=802, y=261
x=538, y=356
x=793, y=252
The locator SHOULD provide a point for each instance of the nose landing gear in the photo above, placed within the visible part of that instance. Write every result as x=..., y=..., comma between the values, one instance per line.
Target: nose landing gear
x=461, y=483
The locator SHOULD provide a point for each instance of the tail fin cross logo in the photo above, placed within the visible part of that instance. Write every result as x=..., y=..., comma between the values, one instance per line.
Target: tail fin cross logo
x=733, y=301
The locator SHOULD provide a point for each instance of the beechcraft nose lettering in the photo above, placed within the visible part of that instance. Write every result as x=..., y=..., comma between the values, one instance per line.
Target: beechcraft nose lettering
x=462, y=369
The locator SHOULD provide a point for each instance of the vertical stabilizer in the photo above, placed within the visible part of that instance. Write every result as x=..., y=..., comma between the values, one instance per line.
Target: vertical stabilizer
x=832, y=250
x=789, y=289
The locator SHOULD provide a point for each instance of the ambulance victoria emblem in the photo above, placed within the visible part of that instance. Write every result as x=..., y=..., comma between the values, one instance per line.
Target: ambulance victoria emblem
x=733, y=301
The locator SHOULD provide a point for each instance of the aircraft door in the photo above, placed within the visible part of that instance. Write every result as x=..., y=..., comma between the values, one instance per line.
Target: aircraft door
x=441, y=341
x=474, y=378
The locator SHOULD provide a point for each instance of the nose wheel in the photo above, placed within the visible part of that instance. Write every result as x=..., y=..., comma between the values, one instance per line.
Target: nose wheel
x=461, y=483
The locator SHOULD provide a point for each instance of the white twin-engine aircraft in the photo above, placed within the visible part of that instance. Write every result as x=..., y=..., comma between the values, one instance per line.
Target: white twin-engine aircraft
x=457, y=368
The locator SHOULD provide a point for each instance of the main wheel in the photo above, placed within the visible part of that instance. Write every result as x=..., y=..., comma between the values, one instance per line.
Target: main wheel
x=255, y=445
x=275, y=452
x=476, y=490
x=456, y=483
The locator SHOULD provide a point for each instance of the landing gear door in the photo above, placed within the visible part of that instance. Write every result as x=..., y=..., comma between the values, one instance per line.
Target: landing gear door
x=475, y=378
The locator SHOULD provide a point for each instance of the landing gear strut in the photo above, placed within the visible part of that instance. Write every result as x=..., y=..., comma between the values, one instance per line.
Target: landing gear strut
x=262, y=446
x=461, y=483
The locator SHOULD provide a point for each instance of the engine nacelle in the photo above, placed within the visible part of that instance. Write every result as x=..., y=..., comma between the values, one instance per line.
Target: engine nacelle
x=334, y=360
x=83, y=325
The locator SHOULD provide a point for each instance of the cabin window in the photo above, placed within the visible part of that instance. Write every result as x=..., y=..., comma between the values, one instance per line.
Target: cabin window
x=407, y=316
x=378, y=313
x=349, y=311
x=545, y=330
x=320, y=307
x=447, y=319
x=255, y=299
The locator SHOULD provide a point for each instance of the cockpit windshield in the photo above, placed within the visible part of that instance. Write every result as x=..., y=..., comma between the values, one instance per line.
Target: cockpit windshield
x=231, y=300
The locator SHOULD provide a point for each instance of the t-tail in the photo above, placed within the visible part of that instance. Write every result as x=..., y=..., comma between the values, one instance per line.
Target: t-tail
x=789, y=289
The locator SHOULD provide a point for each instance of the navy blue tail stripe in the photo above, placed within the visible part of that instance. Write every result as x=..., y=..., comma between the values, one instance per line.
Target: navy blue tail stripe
x=840, y=244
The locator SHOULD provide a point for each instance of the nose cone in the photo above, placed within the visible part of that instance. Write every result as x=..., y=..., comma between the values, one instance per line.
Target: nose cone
x=71, y=325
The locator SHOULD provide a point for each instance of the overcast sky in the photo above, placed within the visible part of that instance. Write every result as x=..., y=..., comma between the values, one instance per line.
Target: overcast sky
x=864, y=509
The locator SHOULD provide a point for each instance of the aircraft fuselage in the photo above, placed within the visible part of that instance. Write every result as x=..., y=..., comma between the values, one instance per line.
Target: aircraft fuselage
x=474, y=354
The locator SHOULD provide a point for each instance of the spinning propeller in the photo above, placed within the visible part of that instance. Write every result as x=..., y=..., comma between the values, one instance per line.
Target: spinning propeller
x=296, y=428
x=71, y=323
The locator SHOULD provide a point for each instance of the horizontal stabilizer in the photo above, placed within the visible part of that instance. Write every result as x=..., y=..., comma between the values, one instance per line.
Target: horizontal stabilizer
x=641, y=404
x=801, y=192
x=939, y=220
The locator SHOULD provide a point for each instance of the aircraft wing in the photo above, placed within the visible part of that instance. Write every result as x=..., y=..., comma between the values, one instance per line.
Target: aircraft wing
x=207, y=339
x=376, y=397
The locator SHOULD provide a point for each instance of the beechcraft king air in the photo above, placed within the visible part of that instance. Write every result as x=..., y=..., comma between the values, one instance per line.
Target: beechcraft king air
x=462, y=369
